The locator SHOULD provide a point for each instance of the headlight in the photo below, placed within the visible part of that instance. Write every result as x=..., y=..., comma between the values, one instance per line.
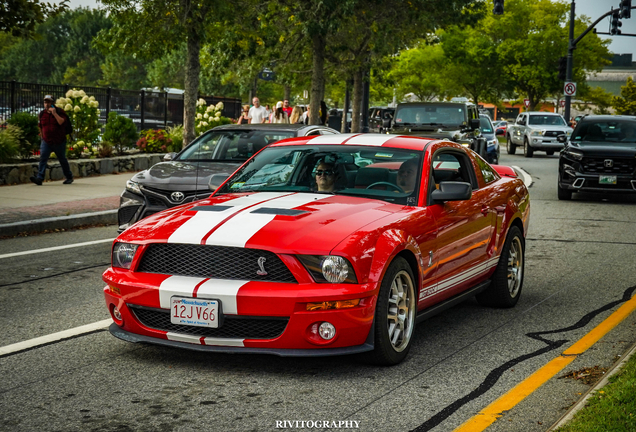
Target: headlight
x=329, y=268
x=123, y=254
x=492, y=143
x=536, y=133
x=574, y=155
x=133, y=187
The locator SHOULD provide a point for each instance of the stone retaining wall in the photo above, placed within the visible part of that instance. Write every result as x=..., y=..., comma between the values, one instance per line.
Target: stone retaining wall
x=21, y=172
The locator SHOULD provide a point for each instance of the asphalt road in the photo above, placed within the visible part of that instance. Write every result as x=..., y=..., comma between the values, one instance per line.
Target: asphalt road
x=579, y=270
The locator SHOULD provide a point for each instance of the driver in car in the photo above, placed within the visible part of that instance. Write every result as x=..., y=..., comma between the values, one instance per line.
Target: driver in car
x=325, y=177
x=407, y=175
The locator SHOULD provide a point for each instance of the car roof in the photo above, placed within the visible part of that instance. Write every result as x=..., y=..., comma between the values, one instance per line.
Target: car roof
x=272, y=126
x=607, y=117
x=542, y=113
x=367, y=139
x=436, y=103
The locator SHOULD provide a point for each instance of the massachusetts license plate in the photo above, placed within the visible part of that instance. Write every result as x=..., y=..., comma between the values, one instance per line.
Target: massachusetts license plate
x=607, y=179
x=194, y=312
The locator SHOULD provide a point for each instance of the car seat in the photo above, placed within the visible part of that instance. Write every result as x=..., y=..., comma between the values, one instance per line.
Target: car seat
x=594, y=133
x=368, y=176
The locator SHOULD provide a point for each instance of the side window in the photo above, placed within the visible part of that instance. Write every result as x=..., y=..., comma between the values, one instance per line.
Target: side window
x=486, y=171
x=314, y=132
x=452, y=166
x=326, y=132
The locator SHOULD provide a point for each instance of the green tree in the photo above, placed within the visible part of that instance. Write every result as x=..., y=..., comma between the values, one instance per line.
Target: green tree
x=120, y=131
x=531, y=36
x=625, y=104
x=165, y=25
x=599, y=99
x=20, y=17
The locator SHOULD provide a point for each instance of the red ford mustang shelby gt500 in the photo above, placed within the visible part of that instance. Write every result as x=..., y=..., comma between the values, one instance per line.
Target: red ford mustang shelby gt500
x=324, y=245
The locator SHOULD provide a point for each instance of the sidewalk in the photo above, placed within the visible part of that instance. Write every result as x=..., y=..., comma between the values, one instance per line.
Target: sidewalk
x=88, y=200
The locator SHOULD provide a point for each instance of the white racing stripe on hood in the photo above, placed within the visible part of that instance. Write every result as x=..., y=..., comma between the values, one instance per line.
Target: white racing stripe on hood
x=224, y=290
x=182, y=286
x=238, y=230
x=370, y=139
x=194, y=229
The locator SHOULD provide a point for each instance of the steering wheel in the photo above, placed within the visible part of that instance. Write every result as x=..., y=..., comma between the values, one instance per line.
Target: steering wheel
x=394, y=186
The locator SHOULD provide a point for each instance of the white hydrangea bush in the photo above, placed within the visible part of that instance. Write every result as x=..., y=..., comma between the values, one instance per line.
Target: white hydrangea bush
x=83, y=110
x=208, y=117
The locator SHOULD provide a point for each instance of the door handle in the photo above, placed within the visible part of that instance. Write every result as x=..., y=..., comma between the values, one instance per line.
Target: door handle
x=485, y=210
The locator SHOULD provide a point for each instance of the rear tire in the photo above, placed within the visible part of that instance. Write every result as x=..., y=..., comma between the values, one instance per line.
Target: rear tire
x=394, y=315
x=506, y=283
x=527, y=150
x=510, y=147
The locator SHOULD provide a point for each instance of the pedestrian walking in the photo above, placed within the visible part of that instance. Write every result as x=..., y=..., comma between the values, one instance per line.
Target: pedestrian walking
x=244, y=118
x=258, y=113
x=279, y=116
x=296, y=115
x=324, y=113
x=305, y=116
x=53, y=123
x=287, y=108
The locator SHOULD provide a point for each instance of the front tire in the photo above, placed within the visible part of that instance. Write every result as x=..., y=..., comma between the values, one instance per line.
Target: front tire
x=510, y=147
x=563, y=194
x=506, y=283
x=394, y=315
x=527, y=150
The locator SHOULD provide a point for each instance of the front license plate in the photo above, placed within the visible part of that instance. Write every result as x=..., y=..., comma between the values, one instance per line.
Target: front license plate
x=194, y=312
x=607, y=179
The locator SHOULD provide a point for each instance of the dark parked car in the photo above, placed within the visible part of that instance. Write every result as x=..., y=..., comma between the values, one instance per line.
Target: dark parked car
x=599, y=157
x=492, y=143
x=456, y=121
x=380, y=119
x=184, y=177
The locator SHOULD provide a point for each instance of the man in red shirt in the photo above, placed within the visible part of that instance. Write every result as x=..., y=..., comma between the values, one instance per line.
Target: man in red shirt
x=53, y=135
x=286, y=108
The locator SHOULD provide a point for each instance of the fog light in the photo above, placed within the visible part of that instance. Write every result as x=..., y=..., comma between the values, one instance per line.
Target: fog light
x=117, y=314
x=119, y=320
x=327, y=331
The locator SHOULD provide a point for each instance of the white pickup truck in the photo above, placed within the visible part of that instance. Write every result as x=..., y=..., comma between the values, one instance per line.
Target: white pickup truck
x=536, y=130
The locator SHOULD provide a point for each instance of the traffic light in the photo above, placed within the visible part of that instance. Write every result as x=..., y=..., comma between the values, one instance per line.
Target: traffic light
x=498, y=10
x=563, y=66
x=626, y=8
x=616, y=23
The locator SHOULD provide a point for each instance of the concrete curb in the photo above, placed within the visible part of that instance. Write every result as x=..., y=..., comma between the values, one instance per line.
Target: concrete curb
x=106, y=217
x=602, y=383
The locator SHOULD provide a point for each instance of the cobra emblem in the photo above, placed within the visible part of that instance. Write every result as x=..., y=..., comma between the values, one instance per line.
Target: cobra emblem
x=261, y=267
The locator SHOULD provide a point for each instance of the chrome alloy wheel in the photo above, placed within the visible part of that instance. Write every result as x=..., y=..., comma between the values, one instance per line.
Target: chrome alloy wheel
x=515, y=267
x=401, y=311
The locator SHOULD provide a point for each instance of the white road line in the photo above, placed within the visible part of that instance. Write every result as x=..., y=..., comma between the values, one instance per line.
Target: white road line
x=34, y=251
x=21, y=346
x=527, y=178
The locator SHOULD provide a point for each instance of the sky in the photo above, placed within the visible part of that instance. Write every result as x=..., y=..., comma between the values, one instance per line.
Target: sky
x=593, y=9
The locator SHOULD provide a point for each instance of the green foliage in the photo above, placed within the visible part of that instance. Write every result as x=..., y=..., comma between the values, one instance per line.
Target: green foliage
x=61, y=51
x=28, y=124
x=154, y=141
x=9, y=143
x=600, y=100
x=626, y=103
x=208, y=117
x=175, y=133
x=20, y=17
x=120, y=131
x=83, y=112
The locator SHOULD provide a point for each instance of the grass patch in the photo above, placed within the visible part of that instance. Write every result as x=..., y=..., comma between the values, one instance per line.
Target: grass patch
x=610, y=409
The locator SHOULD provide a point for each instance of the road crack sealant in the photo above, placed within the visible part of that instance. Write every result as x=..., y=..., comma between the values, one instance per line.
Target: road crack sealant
x=492, y=378
x=55, y=275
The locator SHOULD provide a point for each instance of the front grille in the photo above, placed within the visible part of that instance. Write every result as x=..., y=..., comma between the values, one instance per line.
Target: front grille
x=125, y=214
x=217, y=262
x=553, y=133
x=156, y=202
x=160, y=197
x=232, y=327
x=597, y=165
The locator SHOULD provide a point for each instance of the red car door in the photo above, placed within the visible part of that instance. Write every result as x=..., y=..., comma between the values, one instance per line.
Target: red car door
x=465, y=228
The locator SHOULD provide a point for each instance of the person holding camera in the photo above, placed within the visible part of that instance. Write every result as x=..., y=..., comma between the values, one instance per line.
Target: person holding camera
x=53, y=135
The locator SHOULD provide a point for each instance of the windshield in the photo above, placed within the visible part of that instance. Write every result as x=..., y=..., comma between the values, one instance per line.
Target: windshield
x=435, y=115
x=485, y=125
x=606, y=130
x=231, y=144
x=379, y=173
x=547, y=120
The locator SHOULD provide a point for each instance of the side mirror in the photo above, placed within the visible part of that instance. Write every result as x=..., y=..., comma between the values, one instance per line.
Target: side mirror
x=169, y=156
x=452, y=191
x=474, y=123
x=386, y=123
x=217, y=180
x=563, y=138
x=499, y=132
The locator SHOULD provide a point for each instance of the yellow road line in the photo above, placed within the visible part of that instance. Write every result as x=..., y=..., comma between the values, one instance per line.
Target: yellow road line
x=492, y=412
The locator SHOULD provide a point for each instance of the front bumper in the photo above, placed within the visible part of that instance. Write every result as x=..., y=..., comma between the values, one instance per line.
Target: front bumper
x=542, y=143
x=570, y=178
x=258, y=304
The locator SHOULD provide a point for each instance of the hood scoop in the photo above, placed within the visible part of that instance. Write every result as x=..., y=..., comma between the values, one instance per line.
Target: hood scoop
x=212, y=208
x=279, y=211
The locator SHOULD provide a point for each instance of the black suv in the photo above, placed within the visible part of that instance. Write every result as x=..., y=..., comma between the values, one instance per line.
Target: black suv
x=599, y=157
x=456, y=121
x=380, y=119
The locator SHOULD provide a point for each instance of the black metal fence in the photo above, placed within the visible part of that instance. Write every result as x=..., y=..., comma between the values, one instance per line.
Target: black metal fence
x=148, y=109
